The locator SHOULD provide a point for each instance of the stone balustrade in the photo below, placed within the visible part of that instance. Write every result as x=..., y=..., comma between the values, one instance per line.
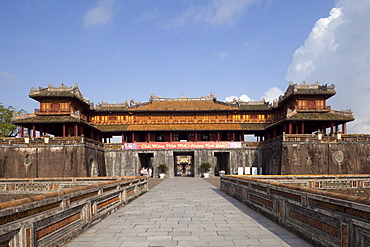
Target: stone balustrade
x=54, y=218
x=46, y=140
x=326, y=137
x=300, y=204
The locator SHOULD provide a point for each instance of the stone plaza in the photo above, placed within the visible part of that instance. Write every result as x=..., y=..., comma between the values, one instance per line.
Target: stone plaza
x=186, y=211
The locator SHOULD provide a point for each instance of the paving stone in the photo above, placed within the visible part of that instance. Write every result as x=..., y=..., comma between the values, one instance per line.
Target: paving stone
x=186, y=212
x=134, y=243
x=81, y=244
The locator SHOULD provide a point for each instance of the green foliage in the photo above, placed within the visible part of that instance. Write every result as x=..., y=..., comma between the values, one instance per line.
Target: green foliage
x=162, y=168
x=7, y=129
x=205, y=166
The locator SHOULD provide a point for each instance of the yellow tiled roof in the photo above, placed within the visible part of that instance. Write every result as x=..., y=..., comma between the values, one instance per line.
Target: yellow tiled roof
x=182, y=127
x=196, y=105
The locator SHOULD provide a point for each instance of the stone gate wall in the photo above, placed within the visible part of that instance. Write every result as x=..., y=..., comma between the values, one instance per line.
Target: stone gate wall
x=51, y=157
x=288, y=154
x=122, y=162
x=306, y=154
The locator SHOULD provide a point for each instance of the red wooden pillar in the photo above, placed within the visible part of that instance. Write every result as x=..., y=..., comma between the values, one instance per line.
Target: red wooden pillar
x=344, y=128
x=41, y=131
x=302, y=128
x=123, y=137
x=233, y=136
x=81, y=130
x=64, y=131
x=21, y=131
x=33, y=130
x=148, y=136
x=290, y=131
x=76, y=129
x=133, y=136
x=171, y=136
x=331, y=128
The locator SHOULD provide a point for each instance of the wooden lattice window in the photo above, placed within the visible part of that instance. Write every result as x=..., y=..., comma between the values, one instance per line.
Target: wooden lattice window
x=311, y=104
x=55, y=107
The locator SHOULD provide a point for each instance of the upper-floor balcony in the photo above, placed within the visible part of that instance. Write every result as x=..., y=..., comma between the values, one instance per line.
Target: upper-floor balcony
x=60, y=112
x=178, y=121
x=51, y=111
x=314, y=108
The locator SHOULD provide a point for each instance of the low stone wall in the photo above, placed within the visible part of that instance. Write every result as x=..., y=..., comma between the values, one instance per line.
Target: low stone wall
x=322, y=218
x=54, y=218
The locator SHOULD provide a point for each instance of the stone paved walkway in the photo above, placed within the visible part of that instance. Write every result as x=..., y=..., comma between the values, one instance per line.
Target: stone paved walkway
x=186, y=212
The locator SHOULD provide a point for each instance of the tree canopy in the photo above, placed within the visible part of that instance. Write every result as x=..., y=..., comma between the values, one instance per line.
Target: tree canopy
x=7, y=129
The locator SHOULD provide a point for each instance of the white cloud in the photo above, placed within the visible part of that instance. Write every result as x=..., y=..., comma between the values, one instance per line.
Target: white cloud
x=101, y=14
x=337, y=51
x=217, y=12
x=269, y=96
x=272, y=94
x=231, y=98
x=243, y=98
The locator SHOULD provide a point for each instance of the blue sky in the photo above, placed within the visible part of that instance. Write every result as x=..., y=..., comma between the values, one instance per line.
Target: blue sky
x=119, y=50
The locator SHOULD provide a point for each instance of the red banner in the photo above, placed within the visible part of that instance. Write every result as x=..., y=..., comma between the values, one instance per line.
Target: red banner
x=181, y=145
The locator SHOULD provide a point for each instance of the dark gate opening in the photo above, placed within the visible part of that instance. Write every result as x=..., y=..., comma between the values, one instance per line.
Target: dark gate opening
x=184, y=164
x=146, y=163
x=222, y=163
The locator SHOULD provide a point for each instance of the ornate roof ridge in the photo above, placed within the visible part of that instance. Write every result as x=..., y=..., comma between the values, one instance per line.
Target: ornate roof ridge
x=261, y=102
x=210, y=97
x=305, y=88
x=74, y=90
x=114, y=104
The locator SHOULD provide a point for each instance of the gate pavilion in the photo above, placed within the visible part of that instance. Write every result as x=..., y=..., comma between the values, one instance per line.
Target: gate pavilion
x=65, y=112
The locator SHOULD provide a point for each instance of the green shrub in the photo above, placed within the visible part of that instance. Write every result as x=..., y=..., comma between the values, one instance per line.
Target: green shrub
x=162, y=168
x=205, y=166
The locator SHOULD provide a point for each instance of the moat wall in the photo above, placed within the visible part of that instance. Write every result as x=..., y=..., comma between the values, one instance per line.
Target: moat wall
x=288, y=154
